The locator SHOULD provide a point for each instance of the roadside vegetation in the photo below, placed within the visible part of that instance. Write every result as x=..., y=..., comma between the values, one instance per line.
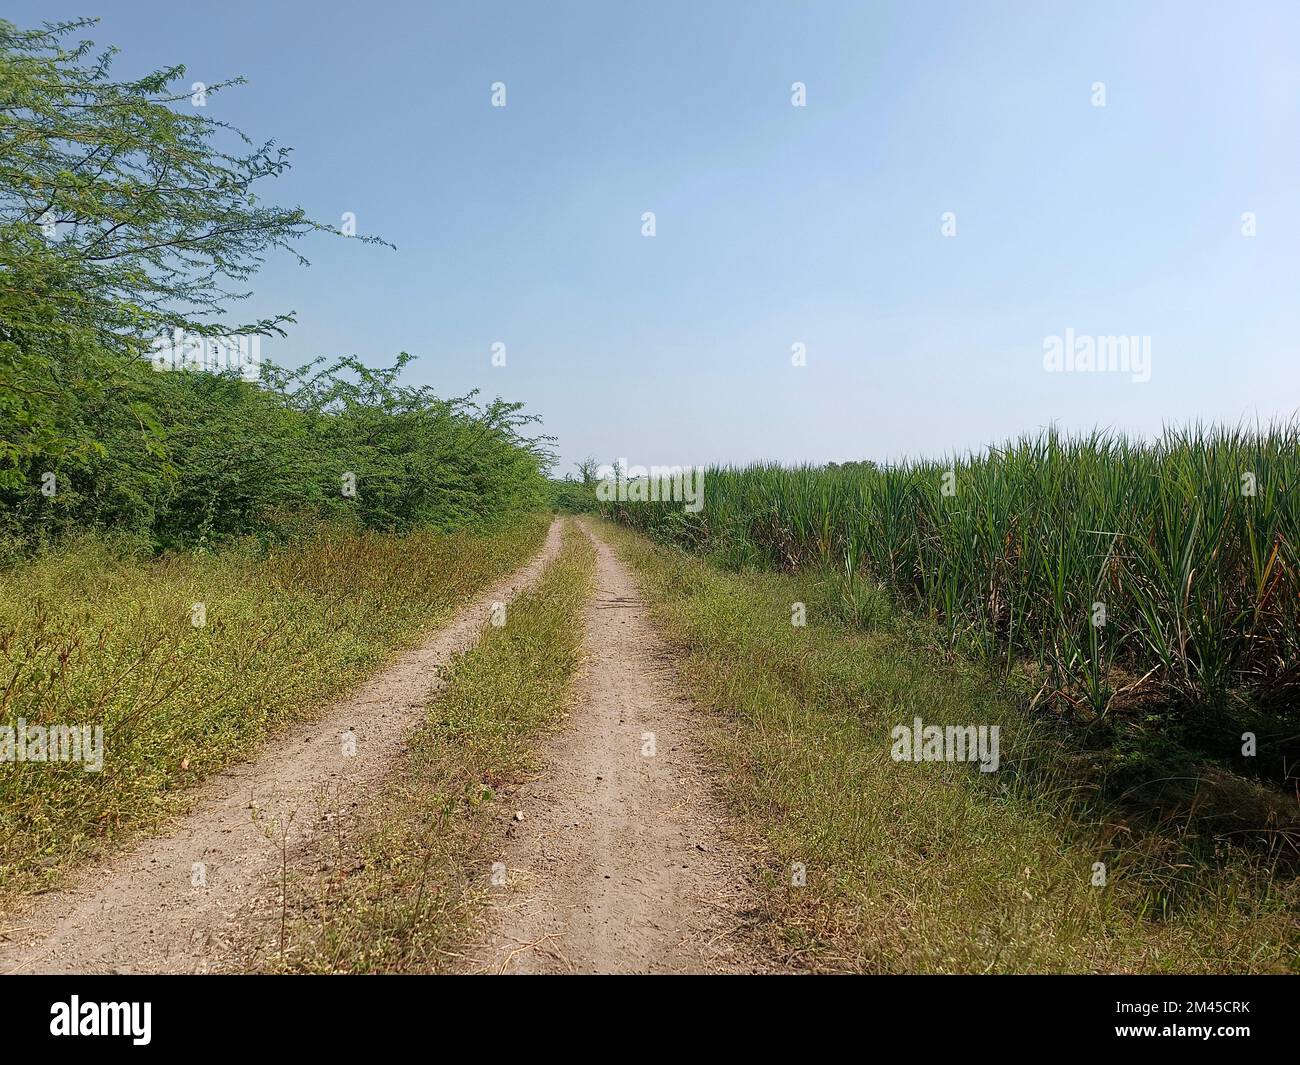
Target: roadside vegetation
x=404, y=889
x=90, y=637
x=192, y=558
x=1152, y=588
x=225, y=458
x=194, y=553
x=131, y=223
x=934, y=866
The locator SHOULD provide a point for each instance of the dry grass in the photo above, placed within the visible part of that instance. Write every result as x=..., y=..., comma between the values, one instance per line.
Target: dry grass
x=402, y=892
x=89, y=637
x=934, y=867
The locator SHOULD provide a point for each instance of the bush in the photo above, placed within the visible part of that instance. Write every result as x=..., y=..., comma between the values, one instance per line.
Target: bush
x=189, y=458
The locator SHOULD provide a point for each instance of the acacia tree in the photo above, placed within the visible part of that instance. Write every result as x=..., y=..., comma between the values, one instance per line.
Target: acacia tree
x=125, y=213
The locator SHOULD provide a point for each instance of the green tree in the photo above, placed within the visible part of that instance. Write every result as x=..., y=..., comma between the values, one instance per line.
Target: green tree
x=125, y=213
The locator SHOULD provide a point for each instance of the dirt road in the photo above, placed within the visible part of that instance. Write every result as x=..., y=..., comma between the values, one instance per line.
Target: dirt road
x=621, y=863
x=168, y=903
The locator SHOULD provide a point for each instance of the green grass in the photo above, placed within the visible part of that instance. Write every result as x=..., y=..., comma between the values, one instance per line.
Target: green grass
x=1200, y=580
x=400, y=895
x=934, y=867
x=90, y=637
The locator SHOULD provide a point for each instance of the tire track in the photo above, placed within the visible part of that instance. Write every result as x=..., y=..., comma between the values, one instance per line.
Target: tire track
x=142, y=911
x=622, y=863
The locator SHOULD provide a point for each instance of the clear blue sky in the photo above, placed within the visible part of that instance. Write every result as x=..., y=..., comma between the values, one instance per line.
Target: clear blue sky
x=776, y=224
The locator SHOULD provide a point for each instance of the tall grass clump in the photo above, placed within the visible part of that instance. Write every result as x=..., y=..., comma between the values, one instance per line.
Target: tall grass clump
x=1128, y=571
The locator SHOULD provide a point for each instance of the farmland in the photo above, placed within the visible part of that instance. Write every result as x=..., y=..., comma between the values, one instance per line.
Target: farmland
x=329, y=646
x=1129, y=572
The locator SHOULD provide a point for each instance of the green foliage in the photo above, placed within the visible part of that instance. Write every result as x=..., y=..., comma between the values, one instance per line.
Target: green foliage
x=225, y=457
x=572, y=497
x=1200, y=579
x=126, y=214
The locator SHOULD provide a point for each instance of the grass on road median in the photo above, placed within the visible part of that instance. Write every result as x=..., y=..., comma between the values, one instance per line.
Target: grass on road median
x=399, y=893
